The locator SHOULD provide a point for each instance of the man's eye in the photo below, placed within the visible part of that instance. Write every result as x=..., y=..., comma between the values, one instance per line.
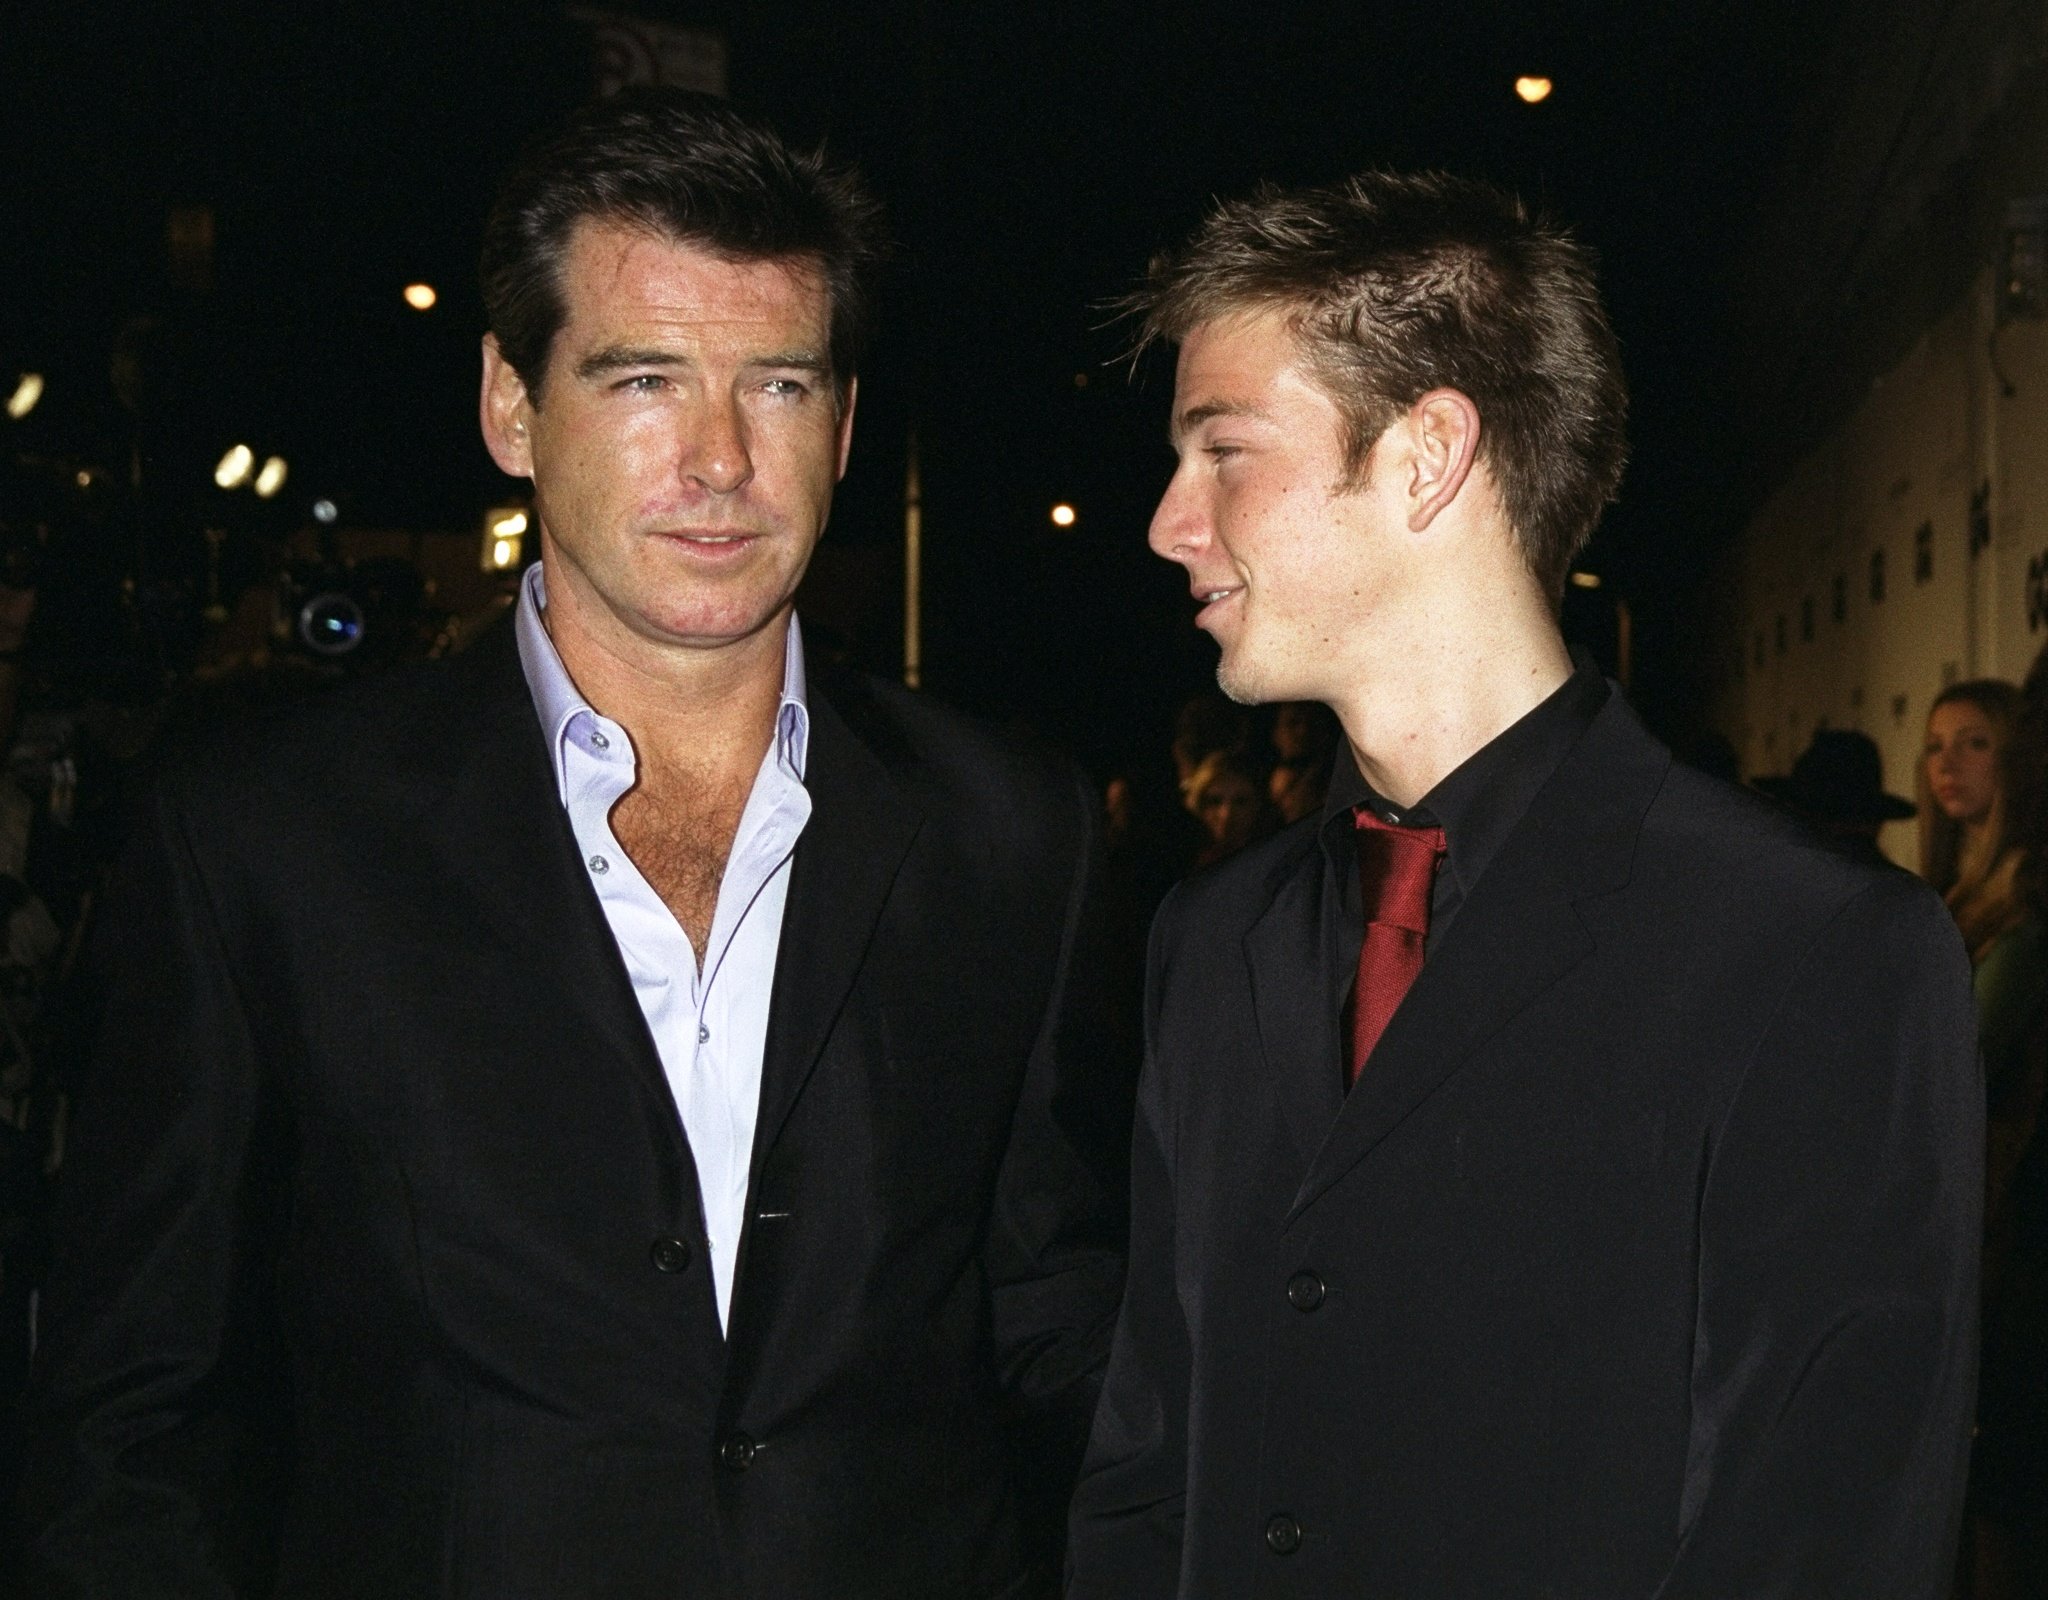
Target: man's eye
x=1220, y=452
x=786, y=386
x=643, y=383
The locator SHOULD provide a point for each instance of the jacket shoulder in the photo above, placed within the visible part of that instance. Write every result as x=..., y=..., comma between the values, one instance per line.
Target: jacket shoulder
x=1726, y=848
x=941, y=753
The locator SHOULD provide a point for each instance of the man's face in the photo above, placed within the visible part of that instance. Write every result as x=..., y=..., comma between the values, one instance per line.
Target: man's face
x=1286, y=555
x=687, y=439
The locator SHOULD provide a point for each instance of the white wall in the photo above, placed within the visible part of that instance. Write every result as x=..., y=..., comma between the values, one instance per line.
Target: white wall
x=1928, y=434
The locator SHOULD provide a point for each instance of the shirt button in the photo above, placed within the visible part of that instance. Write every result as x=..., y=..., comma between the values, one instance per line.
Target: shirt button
x=1283, y=1535
x=736, y=1454
x=670, y=1255
x=703, y=1034
x=1305, y=1291
x=599, y=865
x=599, y=742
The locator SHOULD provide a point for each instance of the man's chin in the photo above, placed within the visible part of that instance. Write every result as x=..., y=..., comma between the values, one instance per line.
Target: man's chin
x=1240, y=683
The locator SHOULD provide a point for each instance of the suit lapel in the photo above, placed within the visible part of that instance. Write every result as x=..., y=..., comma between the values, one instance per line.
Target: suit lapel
x=497, y=823
x=1516, y=936
x=861, y=826
x=1296, y=1014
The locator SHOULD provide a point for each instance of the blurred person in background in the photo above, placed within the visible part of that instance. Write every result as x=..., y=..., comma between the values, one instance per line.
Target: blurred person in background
x=1971, y=852
x=1305, y=740
x=1982, y=843
x=1226, y=795
x=1837, y=786
x=1205, y=724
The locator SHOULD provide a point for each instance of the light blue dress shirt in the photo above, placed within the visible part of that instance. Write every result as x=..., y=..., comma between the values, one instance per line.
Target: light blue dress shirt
x=709, y=1019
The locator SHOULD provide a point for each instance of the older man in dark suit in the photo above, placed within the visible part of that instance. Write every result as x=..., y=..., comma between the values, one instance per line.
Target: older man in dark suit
x=1556, y=1174
x=639, y=1090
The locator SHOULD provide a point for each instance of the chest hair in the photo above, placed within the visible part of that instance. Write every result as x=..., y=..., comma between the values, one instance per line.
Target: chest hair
x=678, y=825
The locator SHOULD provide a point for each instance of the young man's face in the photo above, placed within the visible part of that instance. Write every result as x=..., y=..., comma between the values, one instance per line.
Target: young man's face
x=686, y=441
x=1287, y=556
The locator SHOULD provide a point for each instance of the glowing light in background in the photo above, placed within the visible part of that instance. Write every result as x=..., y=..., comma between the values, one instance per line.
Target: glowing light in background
x=1586, y=580
x=1063, y=515
x=271, y=478
x=325, y=511
x=26, y=394
x=420, y=296
x=504, y=538
x=235, y=467
x=1533, y=90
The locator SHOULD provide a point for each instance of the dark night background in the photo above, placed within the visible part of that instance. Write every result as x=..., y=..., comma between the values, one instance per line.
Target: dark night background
x=1031, y=157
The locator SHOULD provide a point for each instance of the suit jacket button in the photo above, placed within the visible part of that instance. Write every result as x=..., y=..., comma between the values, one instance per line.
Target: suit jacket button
x=1305, y=1291
x=736, y=1454
x=1283, y=1535
x=670, y=1255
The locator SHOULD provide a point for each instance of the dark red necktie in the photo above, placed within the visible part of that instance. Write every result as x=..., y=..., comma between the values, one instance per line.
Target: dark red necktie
x=1397, y=872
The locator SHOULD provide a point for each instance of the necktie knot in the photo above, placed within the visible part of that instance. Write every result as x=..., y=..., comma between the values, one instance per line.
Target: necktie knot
x=1397, y=874
x=1397, y=870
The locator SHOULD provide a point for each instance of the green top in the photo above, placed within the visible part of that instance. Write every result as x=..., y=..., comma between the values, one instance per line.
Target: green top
x=2011, y=984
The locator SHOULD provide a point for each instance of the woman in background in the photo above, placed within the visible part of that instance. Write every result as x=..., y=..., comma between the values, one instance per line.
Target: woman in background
x=1983, y=784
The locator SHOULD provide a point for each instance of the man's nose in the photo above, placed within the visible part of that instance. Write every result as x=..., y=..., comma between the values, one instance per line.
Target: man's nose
x=1177, y=530
x=715, y=454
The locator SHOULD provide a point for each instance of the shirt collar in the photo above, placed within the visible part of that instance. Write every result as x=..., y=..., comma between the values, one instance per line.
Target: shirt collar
x=1479, y=802
x=558, y=701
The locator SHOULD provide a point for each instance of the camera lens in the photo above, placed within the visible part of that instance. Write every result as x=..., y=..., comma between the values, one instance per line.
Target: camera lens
x=330, y=624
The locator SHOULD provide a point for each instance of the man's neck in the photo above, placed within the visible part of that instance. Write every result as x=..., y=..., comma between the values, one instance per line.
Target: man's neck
x=711, y=710
x=1423, y=714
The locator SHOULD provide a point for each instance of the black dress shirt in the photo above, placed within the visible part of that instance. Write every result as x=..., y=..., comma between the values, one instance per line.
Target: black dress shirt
x=1477, y=805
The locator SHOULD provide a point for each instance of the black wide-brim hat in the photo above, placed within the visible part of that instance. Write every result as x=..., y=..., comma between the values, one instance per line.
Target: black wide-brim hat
x=1839, y=778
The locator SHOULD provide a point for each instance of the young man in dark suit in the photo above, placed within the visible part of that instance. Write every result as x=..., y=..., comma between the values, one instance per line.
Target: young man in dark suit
x=1556, y=1174
x=642, y=1094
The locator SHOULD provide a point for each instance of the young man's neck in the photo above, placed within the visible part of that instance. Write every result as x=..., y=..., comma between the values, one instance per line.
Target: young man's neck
x=1418, y=707
x=697, y=708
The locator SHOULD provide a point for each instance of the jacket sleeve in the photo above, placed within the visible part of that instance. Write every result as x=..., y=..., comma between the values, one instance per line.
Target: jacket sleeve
x=1124, y=1539
x=1054, y=1252
x=137, y=1396
x=1834, y=1354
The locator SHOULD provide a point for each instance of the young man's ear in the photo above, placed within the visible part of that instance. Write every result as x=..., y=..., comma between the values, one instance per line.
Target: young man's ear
x=504, y=409
x=1443, y=429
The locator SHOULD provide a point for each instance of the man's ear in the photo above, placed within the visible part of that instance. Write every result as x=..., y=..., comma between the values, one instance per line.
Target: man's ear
x=504, y=411
x=846, y=423
x=1443, y=428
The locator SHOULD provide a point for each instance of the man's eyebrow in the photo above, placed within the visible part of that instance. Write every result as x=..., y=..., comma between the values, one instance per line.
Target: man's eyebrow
x=1195, y=416
x=615, y=357
x=798, y=360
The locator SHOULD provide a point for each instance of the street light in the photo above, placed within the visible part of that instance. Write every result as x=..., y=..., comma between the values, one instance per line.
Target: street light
x=235, y=467
x=1063, y=515
x=26, y=393
x=420, y=296
x=271, y=478
x=1533, y=91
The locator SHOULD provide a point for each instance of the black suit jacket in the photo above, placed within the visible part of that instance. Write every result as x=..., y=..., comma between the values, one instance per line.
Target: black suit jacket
x=374, y=1098
x=1641, y=1261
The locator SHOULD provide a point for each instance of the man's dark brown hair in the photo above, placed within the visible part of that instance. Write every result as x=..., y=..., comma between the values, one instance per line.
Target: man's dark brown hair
x=688, y=168
x=1397, y=284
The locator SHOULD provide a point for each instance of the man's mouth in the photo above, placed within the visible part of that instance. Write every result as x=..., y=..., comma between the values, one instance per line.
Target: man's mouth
x=1212, y=600
x=704, y=541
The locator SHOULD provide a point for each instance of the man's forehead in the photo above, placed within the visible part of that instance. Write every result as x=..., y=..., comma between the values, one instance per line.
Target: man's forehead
x=617, y=264
x=1239, y=364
